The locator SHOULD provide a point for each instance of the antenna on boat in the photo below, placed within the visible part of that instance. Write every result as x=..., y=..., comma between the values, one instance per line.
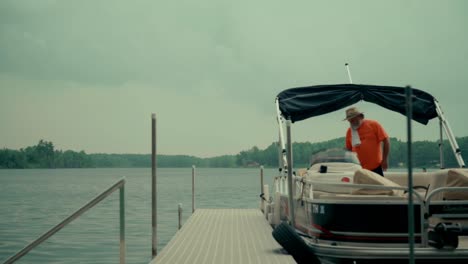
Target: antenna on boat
x=349, y=73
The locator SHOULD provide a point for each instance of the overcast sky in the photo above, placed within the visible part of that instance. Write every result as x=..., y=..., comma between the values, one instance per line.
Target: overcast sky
x=87, y=74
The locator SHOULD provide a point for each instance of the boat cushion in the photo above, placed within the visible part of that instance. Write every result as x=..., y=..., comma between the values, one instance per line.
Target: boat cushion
x=457, y=178
x=401, y=178
x=363, y=176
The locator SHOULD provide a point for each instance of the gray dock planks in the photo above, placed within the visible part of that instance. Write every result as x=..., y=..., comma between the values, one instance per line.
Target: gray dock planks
x=224, y=236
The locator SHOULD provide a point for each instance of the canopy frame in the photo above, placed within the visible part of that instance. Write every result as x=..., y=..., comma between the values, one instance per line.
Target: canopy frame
x=427, y=107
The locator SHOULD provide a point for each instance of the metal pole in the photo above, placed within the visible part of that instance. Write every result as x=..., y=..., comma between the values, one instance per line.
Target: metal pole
x=349, y=73
x=281, y=134
x=154, y=250
x=290, y=176
x=409, y=115
x=193, y=189
x=280, y=156
x=122, y=224
x=262, y=202
x=180, y=215
x=452, y=140
x=441, y=144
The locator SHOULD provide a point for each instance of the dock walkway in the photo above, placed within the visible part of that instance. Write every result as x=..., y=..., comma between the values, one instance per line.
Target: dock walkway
x=224, y=236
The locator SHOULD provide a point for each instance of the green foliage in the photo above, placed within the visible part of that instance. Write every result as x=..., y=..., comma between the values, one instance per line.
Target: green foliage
x=43, y=155
x=12, y=159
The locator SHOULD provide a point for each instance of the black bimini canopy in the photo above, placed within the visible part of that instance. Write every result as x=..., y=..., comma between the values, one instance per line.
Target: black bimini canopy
x=301, y=103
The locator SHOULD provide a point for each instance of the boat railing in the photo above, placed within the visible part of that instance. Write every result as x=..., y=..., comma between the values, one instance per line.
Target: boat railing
x=455, y=213
x=355, y=186
x=120, y=185
x=281, y=186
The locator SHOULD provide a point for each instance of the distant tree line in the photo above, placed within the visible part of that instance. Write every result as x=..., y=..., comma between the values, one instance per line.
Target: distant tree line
x=425, y=153
x=44, y=155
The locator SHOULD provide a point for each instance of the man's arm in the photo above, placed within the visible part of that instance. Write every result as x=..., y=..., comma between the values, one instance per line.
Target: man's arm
x=386, y=150
x=348, y=140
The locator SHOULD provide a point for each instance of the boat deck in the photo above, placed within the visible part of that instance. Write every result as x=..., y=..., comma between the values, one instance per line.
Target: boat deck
x=224, y=236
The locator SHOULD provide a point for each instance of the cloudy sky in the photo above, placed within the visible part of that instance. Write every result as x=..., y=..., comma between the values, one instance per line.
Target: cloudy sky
x=87, y=74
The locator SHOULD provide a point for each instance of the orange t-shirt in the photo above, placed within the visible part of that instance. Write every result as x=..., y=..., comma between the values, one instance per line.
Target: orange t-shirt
x=369, y=153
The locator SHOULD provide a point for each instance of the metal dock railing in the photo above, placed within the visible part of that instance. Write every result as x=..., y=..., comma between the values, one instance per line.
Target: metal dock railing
x=120, y=185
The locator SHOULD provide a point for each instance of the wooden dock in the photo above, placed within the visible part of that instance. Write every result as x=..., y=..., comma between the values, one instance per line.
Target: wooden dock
x=224, y=236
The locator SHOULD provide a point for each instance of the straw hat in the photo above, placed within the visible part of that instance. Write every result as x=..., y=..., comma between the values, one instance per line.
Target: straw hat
x=352, y=112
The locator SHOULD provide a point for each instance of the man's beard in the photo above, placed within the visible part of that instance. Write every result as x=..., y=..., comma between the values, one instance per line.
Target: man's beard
x=356, y=126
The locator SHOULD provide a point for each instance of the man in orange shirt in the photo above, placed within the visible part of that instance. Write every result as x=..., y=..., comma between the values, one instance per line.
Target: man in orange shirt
x=364, y=136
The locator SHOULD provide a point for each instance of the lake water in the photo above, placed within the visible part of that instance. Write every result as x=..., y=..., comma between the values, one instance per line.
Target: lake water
x=32, y=201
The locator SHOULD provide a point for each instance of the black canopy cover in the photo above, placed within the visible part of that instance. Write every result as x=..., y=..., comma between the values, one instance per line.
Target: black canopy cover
x=301, y=103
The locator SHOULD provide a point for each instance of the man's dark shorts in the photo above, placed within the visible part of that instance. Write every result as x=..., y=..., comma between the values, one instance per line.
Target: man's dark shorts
x=378, y=170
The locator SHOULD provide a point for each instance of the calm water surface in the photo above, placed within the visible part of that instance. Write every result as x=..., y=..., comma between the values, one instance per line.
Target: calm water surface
x=32, y=201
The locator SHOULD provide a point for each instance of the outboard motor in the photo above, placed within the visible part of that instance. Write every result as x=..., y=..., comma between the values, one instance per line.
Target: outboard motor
x=446, y=235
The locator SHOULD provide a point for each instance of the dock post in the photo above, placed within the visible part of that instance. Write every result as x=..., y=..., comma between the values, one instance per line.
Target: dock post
x=441, y=145
x=290, y=181
x=262, y=194
x=409, y=116
x=154, y=240
x=193, y=189
x=122, y=224
x=180, y=215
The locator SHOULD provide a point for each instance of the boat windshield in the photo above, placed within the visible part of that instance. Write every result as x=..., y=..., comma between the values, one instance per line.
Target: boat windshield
x=334, y=155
